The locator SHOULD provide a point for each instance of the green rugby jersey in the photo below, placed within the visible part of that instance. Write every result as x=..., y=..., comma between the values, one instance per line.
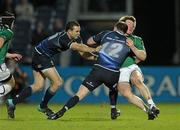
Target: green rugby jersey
x=138, y=43
x=7, y=35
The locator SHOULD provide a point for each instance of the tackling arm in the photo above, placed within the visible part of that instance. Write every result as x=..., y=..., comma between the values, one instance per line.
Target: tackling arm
x=83, y=48
x=91, y=42
x=140, y=54
x=89, y=56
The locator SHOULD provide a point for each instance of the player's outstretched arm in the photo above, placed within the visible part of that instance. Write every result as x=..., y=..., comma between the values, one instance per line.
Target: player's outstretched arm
x=84, y=48
x=89, y=56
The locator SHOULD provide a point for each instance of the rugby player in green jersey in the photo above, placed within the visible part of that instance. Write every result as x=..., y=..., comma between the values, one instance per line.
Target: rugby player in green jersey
x=7, y=82
x=131, y=75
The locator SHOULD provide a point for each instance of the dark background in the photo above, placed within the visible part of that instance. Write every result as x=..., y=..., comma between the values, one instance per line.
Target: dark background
x=155, y=24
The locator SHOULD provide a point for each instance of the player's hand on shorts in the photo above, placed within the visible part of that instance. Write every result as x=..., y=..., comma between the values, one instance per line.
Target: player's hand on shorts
x=16, y=57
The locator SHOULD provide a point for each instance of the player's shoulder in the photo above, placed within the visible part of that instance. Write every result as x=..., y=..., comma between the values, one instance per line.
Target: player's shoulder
x=136, y=37
x=105, y=32
x=6, y=32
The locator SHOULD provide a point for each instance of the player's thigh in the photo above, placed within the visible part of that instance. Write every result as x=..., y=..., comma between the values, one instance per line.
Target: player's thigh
x=111, y=79
x=124, y=75
x=53, y=76
x=136, y=77
x=92, y=81
x=124, y=89
x=11, y=82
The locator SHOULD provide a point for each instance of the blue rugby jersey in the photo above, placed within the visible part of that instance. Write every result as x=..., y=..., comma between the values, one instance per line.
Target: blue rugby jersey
x=56, y=43
x=114, y=49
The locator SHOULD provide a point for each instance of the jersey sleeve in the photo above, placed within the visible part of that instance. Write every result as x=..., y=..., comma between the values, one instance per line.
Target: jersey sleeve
x=65, y=42
x=97, y=38
x=6, y=34
x=139, y=43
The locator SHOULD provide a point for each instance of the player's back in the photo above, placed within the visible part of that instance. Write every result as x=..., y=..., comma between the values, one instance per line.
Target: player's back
x=114, y=50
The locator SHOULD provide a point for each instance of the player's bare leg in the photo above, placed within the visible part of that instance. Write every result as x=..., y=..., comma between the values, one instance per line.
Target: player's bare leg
x=125, y=90
x=26, y=92
x=137, y=80
x=56, y=82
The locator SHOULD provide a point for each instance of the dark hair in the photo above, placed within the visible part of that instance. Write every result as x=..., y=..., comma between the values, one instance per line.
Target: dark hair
x=71, y=24
x=121, y=26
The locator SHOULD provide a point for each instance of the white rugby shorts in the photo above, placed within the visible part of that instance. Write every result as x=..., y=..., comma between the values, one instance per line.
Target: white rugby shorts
x=125, y=73
x=4, y=72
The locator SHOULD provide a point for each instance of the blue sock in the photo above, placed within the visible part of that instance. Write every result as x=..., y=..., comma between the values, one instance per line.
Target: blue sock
x=23, y=95
x=48, y=95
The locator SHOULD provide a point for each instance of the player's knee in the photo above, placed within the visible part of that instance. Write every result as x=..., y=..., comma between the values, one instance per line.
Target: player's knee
x=82, y=92
x=57, y=83
x=137, y=80
x=126, y=94
x=113, y=90
x=37, y=87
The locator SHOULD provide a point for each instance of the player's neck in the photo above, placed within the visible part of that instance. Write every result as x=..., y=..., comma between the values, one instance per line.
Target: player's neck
x=69, y=36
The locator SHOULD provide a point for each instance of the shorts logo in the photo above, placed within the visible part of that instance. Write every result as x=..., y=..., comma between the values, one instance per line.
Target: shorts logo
x=90, y=83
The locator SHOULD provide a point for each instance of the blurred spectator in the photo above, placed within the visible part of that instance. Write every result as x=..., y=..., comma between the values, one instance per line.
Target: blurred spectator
x=24, y=10
x=58, y=25
x=107, y=5
x=99, y=5
x=39, y=33
x=38, y=3
x=19, y=75
x=7, y=5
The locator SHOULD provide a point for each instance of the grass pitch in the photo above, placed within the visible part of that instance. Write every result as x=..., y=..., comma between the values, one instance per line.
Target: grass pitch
x=91, y=117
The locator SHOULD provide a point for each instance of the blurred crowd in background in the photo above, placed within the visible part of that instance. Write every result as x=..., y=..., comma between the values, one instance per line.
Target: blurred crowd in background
x=37, y=19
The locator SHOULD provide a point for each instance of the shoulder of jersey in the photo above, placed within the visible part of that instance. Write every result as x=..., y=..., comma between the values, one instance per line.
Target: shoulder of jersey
x=4, y=29
x=137, y=37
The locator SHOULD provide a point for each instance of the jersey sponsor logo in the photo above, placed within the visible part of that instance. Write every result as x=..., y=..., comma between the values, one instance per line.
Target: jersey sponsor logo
x=116, y=39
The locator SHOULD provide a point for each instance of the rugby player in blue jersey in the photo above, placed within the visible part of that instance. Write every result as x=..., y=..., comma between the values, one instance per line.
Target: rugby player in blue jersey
x=43, y=66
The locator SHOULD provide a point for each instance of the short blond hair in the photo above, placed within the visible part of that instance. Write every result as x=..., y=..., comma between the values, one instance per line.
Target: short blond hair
x=128, y=17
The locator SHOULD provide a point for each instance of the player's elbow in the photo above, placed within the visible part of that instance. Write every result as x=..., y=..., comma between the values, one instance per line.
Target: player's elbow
x=90, y=42
x=143, y=58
